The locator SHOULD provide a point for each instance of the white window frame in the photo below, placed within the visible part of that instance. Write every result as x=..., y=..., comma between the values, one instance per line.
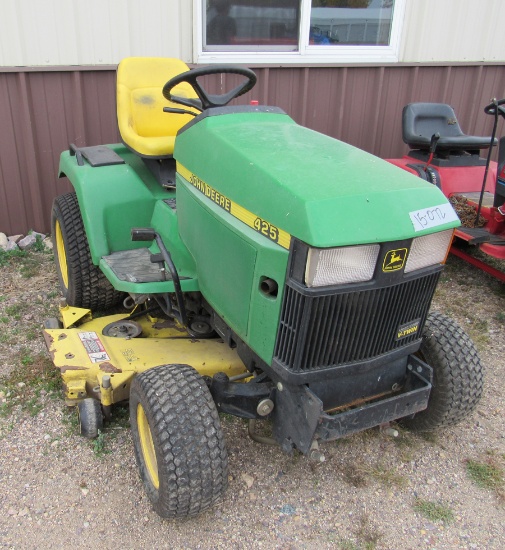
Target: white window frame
x=307, y=54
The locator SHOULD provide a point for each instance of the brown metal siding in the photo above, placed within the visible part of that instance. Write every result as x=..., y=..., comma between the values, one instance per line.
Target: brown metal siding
x=42, y=112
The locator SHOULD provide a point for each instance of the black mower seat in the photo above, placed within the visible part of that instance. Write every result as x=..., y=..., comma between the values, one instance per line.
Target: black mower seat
x=421, y=120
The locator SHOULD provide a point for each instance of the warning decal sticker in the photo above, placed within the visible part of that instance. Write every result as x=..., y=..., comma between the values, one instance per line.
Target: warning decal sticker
x=94, y=347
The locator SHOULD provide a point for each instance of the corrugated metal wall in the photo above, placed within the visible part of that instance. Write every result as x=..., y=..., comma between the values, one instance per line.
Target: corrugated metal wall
x=95, y=32
x=453, y=31
x=100, y=32
x=42, y=112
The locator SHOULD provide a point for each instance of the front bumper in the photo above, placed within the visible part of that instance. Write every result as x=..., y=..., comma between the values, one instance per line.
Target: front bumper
x=299, y=419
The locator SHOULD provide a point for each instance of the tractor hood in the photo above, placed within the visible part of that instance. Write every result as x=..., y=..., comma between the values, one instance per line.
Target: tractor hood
x=316, y=188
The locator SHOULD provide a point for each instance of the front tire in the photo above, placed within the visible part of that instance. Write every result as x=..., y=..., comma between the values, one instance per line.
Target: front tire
x=178, y=442
x=458, y=375
x=82, y=283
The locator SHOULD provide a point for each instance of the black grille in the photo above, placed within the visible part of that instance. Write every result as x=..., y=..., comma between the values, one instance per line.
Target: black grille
x=316, y=332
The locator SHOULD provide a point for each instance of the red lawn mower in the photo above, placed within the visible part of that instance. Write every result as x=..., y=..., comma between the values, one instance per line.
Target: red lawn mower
x=446, y=157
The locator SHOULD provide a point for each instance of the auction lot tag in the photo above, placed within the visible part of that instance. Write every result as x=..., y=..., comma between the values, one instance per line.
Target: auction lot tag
x=433, y=216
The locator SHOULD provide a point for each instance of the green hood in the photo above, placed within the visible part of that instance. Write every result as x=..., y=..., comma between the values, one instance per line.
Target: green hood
x=318, y=189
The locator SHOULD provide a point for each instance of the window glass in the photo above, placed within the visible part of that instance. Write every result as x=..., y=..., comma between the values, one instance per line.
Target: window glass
x=251, y=25
x=351, y=22
x=299, y=31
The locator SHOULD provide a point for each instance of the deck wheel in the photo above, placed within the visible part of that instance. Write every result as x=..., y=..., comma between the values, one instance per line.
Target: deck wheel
x=90, y=417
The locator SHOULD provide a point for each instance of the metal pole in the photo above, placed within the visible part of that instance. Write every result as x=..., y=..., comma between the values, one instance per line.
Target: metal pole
x=488, y=161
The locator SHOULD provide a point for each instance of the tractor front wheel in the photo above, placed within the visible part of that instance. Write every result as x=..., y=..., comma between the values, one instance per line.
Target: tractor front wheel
x=178, y=442
x=81, y=282
x=457, y=375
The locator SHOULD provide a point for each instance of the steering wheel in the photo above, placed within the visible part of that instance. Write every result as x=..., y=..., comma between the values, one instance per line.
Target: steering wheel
x=491, y=108
x=207, y=100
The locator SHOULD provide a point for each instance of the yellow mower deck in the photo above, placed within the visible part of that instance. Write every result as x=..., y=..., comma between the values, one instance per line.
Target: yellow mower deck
x=85, y=356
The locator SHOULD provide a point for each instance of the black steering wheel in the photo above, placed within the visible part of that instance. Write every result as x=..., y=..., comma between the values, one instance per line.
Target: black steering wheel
x=494, y=106
x=207, y=100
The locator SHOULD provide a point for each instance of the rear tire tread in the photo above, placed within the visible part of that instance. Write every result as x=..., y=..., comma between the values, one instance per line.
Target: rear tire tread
x=88, y=287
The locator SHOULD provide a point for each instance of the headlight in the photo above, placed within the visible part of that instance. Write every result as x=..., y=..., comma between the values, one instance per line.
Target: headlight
x=429, y=250
x=333, y=266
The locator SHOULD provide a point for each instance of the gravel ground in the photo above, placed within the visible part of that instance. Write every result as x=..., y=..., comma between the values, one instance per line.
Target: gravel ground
x=374, y=491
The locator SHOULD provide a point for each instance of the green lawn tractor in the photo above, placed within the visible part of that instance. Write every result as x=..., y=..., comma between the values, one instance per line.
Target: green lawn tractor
x=252, y=267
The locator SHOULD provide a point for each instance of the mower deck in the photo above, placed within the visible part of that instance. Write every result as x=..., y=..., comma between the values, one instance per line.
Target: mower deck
x=85, y=356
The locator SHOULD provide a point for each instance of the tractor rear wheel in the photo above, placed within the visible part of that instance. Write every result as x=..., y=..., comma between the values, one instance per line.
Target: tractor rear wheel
x=457, y=375
x=81, y=282
x=178, y=442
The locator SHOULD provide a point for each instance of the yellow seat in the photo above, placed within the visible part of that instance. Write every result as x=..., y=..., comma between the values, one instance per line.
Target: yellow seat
x=143, y=125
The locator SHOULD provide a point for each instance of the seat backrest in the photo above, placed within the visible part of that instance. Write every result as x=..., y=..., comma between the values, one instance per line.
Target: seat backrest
x=421, y=120
x=143, y=125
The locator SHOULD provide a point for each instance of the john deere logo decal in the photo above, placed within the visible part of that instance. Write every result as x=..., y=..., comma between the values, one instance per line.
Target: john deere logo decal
x=394, y=260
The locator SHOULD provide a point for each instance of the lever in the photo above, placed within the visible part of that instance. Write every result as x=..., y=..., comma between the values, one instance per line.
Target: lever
x=433, y=146
x=178, y=111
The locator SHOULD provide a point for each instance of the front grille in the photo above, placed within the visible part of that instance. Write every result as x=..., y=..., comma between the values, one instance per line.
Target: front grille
x=318, y=332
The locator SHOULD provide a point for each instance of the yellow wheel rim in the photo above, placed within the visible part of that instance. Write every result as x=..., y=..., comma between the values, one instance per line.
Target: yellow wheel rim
x=147, y=446
x=62, y=255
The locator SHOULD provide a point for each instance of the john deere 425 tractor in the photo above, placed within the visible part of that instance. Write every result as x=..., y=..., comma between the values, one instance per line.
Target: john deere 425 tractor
x=266, y=271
